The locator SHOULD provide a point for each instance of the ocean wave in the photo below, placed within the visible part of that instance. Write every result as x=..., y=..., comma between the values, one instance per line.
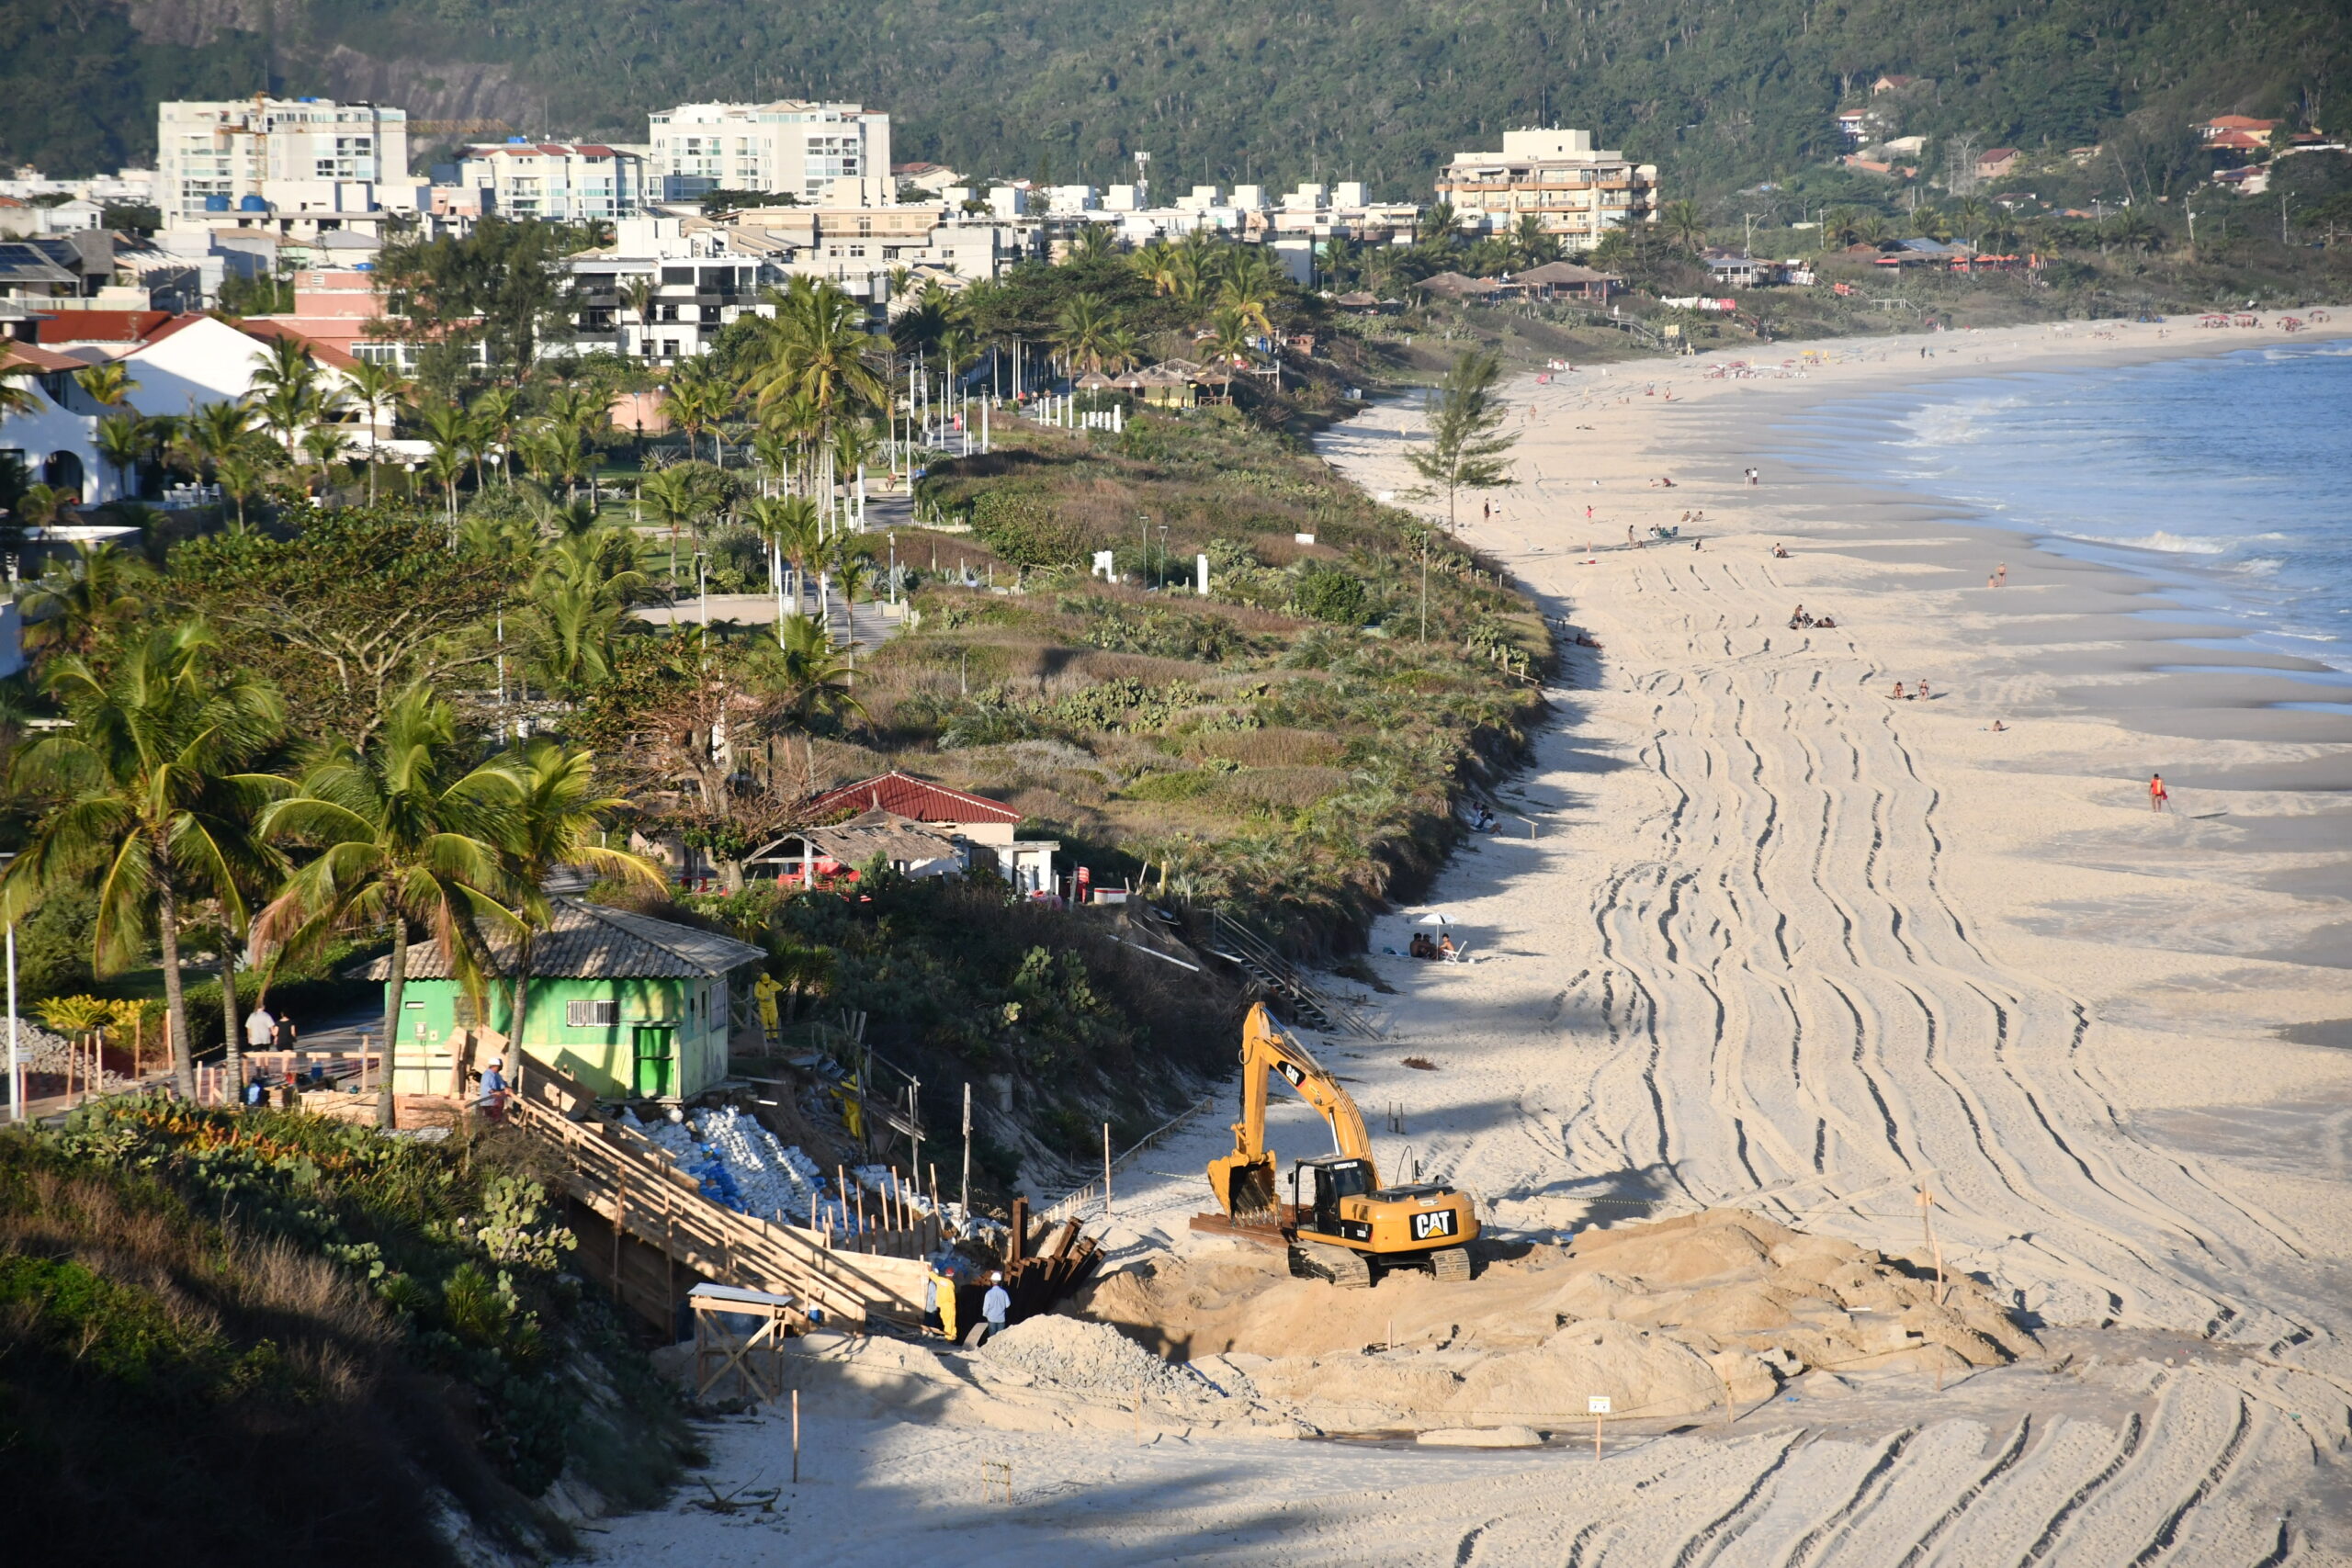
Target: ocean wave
x=1958, y=423
x=2171, y=544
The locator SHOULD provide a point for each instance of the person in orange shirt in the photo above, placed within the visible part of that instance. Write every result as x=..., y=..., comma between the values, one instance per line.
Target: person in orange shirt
x=2157, y=794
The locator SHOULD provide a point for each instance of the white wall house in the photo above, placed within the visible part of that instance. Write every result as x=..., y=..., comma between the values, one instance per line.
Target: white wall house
x=557, y=182
x=226, y=157
x=786, y=148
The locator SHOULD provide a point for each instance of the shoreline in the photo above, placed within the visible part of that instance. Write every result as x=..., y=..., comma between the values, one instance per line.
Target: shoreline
x=1759, y=935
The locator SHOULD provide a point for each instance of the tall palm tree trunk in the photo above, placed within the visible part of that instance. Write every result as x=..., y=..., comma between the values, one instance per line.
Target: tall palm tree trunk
x=234, y=1037
x=167, y=919
x=396, y=980
x=516, y=1010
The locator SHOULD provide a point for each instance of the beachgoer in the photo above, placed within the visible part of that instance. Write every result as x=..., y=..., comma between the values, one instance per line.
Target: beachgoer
x=256, y=1091
x=1991, y=581
x=1923, y=691
x=1997, y=728
x=1898, y=688
x=1445, y=946
x=2001, y=575
x=1418, y=947
x=261, y=1029
x=2157, y=794
x=1629, y=536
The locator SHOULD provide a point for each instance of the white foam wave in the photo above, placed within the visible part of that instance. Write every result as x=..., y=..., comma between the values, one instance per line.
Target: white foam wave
x=2171, y=544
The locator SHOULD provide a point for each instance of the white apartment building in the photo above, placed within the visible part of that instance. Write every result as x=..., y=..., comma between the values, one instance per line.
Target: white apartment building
x=557, y=182
x=786, y=148
x=252, y=156
x=1577, y=191
x=705, y=274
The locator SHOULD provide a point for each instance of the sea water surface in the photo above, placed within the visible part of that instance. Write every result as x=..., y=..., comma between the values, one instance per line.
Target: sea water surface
x=2227, y=477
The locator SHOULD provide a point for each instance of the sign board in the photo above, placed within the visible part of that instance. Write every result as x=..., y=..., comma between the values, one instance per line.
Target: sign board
x=1596, y=1405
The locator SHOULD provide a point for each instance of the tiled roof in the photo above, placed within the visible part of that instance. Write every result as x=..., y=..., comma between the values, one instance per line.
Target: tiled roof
x=879, y=832
x=99, y=326
x=44, y=361
x=910, y=796
x=324, y=352
x=592, y=942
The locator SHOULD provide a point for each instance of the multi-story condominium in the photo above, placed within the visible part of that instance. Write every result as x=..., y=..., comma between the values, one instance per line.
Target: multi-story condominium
x=786, y=148
x=558, y=182
x=227, y=157
x=1579, y=192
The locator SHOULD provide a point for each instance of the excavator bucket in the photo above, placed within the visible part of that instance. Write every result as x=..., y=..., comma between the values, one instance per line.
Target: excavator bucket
x=1245, y=1187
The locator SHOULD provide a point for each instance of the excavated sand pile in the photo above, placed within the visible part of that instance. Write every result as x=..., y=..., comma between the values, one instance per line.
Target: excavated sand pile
x=1664, y=1318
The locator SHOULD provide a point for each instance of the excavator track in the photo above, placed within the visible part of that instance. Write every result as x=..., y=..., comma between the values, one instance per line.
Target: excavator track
x=1321, y=1260
x=1450, y=1263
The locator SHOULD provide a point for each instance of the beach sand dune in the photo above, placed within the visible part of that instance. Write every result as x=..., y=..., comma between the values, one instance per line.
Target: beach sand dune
x=1756, y=933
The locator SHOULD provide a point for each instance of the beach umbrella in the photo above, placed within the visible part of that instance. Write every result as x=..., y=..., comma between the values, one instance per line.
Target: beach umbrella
x=1435, y=918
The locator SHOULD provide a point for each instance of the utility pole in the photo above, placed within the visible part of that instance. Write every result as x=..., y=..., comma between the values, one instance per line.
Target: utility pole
x=966, y=1203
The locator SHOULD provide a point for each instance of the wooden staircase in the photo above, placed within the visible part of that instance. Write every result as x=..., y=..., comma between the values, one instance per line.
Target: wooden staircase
x=1240, y=947
x=631, y=1183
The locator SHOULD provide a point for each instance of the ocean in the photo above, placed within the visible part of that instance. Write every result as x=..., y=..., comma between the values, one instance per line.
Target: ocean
x=2226, y=476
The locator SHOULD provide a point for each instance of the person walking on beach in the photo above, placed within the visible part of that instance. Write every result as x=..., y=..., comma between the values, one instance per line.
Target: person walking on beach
x=2001, y=575
x=2157, y=794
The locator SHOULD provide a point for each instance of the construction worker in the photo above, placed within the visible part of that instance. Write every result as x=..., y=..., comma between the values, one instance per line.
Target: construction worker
x=939, y=1303
x=995, y=1308
x=771, y=1018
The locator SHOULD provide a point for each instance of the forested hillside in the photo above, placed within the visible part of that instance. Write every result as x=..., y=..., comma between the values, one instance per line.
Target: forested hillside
x=1720, y=92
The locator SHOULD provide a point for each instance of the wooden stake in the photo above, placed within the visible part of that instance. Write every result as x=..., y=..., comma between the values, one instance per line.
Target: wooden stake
x=1106, y=1168
x=1596, y=1420
x=796, y=1437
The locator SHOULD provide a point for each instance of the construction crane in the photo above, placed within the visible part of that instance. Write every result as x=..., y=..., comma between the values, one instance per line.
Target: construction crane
x=1339, y=1222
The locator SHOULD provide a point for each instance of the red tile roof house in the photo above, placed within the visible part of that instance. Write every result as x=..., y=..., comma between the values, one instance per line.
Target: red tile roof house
x=1992, y=166
x=988, y=824
x=2237, y=125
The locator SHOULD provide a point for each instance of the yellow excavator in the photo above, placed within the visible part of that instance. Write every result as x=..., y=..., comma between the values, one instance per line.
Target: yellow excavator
x=1339, y=1222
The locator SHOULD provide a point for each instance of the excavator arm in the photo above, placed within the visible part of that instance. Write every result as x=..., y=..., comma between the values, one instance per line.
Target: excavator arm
x=1244, y=1180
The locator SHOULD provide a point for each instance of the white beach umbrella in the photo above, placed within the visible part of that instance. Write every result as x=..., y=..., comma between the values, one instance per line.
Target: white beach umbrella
x=1435, y=918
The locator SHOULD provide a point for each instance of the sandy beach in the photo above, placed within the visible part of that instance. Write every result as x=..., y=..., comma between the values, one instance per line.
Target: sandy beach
x=1756, y=932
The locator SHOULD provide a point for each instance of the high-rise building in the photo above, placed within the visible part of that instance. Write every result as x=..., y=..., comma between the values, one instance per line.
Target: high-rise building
x=557, y=182
x=224, y=157
x=1576, y=191
x=786, y=148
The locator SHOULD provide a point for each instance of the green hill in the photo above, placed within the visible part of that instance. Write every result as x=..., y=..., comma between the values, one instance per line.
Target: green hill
x=1719, y=92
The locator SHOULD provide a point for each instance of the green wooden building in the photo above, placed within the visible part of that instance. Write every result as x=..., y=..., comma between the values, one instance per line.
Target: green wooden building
x=629, y=1006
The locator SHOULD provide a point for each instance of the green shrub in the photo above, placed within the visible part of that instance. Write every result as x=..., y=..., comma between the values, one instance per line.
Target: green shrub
x=1023, y=527
x=1327, y=594
x=53, y=947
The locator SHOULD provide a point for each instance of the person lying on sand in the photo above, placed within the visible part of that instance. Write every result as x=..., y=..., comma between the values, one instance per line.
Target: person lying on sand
x=1827, y=623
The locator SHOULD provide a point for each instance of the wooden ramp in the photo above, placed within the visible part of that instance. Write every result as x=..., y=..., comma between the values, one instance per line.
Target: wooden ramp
x=630, y=1182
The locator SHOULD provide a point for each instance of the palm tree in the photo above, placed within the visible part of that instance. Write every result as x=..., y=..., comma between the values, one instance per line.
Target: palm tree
x=325, y=444
x=816, y=347
x=1081, y=331
x=1437, y=223
x=493, y=415
x=1530, y=244
x=804, y=676
x=109, y=385
x=1230, y=335
x=407, y=831
x=149, y=796
x=375, y=386
x=286, y=385
x=1122, y=351
x=1968, y=214
x=583, y=586
x=639, y=293
x=557, y=821
x=15, y=398
x=695, y=401
x=123, y=442
x=795, y=532
x=213, y=432
x=240, y=477
x=1092, y=242
x=1684, y=224
x=1154, y=264
x=38, y=506
x=455, y=441
x=72, y=607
